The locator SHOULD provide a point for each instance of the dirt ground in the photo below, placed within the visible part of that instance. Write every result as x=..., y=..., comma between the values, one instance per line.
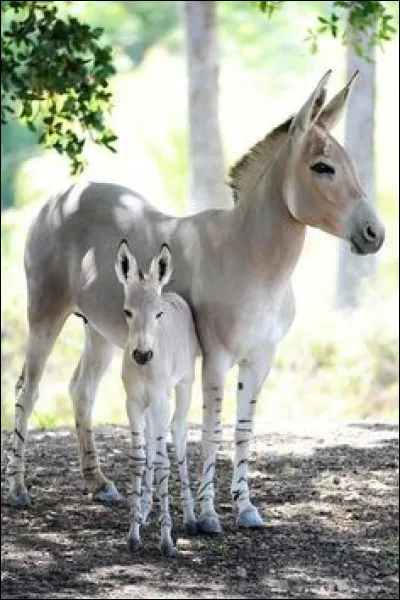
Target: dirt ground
x=329, y=496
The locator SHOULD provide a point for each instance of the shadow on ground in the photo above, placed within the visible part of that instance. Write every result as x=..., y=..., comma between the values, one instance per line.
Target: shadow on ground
x=330, y=500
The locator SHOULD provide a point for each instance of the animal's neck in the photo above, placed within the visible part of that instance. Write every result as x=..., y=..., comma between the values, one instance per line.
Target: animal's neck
x=271, y=238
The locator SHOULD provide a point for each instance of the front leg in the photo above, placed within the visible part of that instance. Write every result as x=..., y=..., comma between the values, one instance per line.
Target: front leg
x=136, y=414
x=213, y=380
x=160, y=417
x=252, y=374
x=148, y=477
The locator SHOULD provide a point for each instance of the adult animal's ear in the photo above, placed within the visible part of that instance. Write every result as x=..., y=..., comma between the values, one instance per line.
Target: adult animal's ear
x=161, y=266
x=332, y=112
x=125, y=265
x=302, y=122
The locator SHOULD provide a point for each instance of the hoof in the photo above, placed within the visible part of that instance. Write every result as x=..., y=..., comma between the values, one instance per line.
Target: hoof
x=209, y=523
x=108, y=495
x=134, y=544
x=168, y=549
x=18, y=498
x=192, y=527
x=250, y=518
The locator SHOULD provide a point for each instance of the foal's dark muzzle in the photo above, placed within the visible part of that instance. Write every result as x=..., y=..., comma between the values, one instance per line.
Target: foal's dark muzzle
x=142, y=357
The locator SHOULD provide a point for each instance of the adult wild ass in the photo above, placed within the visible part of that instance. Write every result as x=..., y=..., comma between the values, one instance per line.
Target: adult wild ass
x=233, y=267
x=160, y=353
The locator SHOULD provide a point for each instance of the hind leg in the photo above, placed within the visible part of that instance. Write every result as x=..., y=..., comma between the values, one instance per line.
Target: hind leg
x=42, y=336
x=179, y=435
x=95, y=359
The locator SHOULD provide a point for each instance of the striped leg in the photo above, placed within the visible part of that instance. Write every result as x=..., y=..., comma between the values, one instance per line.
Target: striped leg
x=40, y=342
x=212, y=432
x=95, y=358
x=251, y=377
x=159, y=411
x=179, y=434
x=136, y=414
x=148, y=476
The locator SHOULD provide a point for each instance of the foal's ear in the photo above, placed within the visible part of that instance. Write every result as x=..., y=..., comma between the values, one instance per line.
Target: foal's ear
x=161, y=266
x=302, y=122
x=334, y=109
x=125, y=265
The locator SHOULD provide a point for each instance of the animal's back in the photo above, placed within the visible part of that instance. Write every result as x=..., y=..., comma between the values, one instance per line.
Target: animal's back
x=71, y=244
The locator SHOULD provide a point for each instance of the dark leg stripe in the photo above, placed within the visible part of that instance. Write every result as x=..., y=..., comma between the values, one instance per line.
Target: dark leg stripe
x=253, y=401
x=18, y=405
x=19, y=435
x=210, y=466
x=240, y=442
x=88, y=469
x=12, y=473
x=242, y=479
x=244, y=421
x=203, y=487
x=162, y=479
x=90, y=452
x=180, y=462
x=244, y=429
x=160, y=437
x=161, y=454
x=244, y=460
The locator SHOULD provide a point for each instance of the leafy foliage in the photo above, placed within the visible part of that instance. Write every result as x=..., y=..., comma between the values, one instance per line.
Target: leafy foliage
x=352, y=20
x=54, y=77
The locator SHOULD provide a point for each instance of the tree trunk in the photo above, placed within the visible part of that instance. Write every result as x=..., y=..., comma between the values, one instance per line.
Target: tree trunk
x=206, y=184
x=359, y=141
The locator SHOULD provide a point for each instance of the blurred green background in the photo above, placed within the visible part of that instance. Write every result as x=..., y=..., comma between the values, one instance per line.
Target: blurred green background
x=332, y=365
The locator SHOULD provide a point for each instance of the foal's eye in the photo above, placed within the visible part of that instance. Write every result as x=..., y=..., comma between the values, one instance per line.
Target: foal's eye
x=322, y=168
x=128, y=313
x=160, y=314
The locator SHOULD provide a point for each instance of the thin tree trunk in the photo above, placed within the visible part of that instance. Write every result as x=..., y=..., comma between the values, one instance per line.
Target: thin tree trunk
x=359, y=140
x=206, y=188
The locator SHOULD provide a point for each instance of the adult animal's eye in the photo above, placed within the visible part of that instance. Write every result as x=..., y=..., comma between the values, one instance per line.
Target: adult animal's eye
x=322, y=168
x=128, y=313
x=160, y=314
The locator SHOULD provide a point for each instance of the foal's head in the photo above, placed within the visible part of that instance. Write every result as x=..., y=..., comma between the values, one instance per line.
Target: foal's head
x=142, y=303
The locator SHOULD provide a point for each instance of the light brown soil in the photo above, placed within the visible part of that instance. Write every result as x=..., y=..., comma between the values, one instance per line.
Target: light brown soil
x=330, y=500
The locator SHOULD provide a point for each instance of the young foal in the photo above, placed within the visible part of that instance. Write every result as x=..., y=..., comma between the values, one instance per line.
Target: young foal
x=159, y=354
x=233, y=267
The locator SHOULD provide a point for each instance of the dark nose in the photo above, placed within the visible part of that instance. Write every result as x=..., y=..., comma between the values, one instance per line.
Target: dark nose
x=374, y=236
x=370, y=234
x=142, y=357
